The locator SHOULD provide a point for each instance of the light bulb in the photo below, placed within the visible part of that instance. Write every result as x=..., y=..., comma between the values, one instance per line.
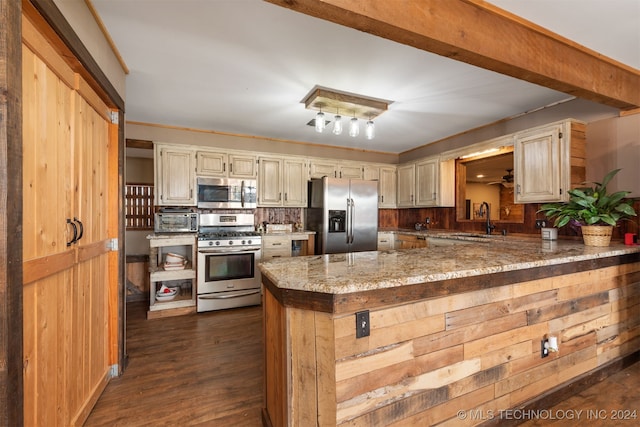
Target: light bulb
x=354, y=127
x=320, y=122
x=370, y=130
x=337, y=125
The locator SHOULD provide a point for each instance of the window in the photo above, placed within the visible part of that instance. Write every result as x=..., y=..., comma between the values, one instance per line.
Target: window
x=139, y=206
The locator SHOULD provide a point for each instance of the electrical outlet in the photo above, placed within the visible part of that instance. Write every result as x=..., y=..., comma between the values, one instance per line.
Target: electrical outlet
x=544, y=348
x=541, y=223
x=362, y=324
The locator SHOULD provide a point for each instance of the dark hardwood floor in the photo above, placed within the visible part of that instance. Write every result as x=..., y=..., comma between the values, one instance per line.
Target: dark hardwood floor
x=207, y=370
x=203, y=369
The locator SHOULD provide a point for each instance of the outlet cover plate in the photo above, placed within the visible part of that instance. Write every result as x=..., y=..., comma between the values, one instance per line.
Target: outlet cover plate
x=544, y=348
x=362, y=324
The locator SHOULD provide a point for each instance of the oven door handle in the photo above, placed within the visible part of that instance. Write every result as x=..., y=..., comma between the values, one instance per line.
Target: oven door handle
x=230, y=294
x=226, y=251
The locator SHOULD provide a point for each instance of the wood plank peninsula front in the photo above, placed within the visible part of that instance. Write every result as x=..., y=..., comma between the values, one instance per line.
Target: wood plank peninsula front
x=453, y=330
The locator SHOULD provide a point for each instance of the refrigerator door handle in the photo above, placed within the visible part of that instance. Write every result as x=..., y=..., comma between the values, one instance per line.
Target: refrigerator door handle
x=347, y=225
x=351, y=220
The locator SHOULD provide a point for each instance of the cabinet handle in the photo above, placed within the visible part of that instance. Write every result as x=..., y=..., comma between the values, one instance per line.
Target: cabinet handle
x=518, y=189
x=276, y=244
x=382, y=198
x=279, y=196
x=81, y=228
x=285, y=197
x=224, y=167
x=230, y=167
x=75, y=232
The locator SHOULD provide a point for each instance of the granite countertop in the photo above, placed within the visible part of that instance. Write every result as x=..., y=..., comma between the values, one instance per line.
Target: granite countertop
x=365, y=271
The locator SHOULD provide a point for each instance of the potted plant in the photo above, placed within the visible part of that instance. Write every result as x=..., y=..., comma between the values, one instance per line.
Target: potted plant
x=595, y=210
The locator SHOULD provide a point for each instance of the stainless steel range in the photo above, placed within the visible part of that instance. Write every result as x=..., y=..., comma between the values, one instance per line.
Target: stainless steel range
x=228, y=255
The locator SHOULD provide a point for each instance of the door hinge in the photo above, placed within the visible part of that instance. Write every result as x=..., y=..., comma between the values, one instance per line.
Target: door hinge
x=560, y=135
x=115, y=117
x=112, y=244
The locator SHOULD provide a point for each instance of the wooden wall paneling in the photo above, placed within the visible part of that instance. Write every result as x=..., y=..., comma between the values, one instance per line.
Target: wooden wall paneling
x=488, y=358
x=276, y=390
x=303, y=367
x=326, y=373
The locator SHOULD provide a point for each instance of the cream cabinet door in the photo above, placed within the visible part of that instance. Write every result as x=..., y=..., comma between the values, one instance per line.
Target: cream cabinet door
x=269, y=181
x=385, y=241
x=435, y=182
x=427, y=183
x=274, y=246
x=241, y=166
x=371, y=173
x=387, y=188
x=350, y=171
x=539, y=162
x=318, y=169
x=175, y=176
x=211, y=164
x=406, y=185
x=295, y=183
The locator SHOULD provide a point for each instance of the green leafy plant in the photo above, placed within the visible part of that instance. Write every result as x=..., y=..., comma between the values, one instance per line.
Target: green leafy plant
x=591, y=205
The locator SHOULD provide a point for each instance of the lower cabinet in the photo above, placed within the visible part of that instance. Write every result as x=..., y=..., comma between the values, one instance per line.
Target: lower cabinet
x=386, y=241
x=410, y=241
x=287, y=245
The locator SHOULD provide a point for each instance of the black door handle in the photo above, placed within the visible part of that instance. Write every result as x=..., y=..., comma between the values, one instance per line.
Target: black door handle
x=81, y=228
x=75, y=232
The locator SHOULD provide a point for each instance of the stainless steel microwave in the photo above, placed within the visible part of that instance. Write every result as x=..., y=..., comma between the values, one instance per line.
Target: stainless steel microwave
x=176, y=222
x=226, y=193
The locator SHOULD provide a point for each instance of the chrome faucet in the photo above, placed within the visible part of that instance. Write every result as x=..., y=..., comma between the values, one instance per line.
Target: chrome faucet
x=489, y=226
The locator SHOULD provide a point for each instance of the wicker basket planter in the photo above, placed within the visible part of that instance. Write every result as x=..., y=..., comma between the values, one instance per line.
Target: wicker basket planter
x=597, y=235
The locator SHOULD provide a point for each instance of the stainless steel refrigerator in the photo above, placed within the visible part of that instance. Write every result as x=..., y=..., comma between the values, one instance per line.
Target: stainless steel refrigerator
x=344, y=214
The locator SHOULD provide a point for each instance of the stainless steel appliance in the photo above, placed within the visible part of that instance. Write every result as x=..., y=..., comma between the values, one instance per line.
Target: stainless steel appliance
x=226, y=193
x=228, y=255
x=175, y=221
x=344, y=214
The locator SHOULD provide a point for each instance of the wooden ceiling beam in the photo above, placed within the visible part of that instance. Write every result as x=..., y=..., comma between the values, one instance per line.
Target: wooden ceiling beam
x=483, y=35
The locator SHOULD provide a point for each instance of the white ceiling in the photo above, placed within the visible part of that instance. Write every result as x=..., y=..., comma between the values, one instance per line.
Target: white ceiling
x=243, y=66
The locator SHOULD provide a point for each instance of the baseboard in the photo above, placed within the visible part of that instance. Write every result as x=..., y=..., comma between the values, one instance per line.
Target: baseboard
x=564, y=391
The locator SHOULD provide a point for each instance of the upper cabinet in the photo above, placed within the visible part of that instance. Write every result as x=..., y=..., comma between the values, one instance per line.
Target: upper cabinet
x=406, y=186
x=544, y=159
x=174, y=175
x=282, y=182
x=386, y=177
x=387, y=187
x=213, y=163
x=427, y=183
x=326, y=167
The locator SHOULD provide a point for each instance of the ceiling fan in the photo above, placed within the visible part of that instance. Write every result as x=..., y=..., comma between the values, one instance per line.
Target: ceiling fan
x=507, y=180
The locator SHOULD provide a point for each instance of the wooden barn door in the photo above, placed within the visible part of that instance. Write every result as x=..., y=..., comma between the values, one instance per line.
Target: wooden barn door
x=67, y=281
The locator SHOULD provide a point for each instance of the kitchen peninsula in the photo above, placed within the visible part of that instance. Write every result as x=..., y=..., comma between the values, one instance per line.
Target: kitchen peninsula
x=446, y=329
